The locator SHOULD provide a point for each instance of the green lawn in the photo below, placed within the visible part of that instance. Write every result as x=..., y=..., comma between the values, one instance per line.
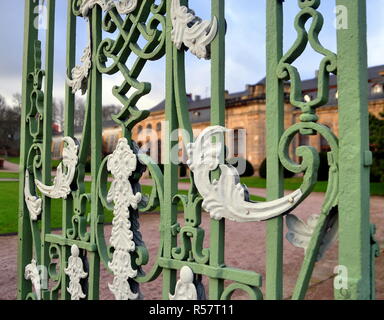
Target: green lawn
x=55, y=163
x=289, y=184
x=12, y=159
x=9, y=175
x=377, y=188
x=16, y=160
x=9, y=206
x=9, y=198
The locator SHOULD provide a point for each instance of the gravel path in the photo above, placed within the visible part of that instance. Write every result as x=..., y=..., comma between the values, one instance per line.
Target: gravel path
x=10, y=167
x=245, y=249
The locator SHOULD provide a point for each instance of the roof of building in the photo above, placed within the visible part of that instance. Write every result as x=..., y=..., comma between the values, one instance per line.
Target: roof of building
x=375, y=76
x=374, y=73
x=198, y=103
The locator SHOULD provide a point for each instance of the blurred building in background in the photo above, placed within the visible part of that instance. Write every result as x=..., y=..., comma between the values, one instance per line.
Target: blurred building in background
x=245, y=114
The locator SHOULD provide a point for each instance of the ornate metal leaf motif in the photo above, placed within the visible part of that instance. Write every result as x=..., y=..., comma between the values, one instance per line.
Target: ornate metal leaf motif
x=80, y=73
x=185, y=289
x=33, y=202
x=122, y=6
x=75, y=272
x=226, y=197
x=300, y=233
x=65, y=172
x=125, y=6
x=192, y=31
x=121, y=164
x=32, y=273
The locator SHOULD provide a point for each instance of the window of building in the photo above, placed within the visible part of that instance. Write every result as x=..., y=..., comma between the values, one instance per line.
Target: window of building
x=147, y=146
x=112, y=142
x=378, y=89
x=56, y=153
x=236, y=141
x=324, y=145
x=139, y=129
x=159, y=151
x=303, y=140
x=158, y=127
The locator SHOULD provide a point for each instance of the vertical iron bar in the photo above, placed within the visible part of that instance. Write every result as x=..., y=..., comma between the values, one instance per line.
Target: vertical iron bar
x=274, y=130
x=96, y=147
x=180, y=97
x=69, y=107
x=169, y=210
x=47, y=127
x=217, y=228
x=24, y=255
x=355, y=158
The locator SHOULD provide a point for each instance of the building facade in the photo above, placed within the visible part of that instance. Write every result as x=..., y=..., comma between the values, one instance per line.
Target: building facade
x=245, y=115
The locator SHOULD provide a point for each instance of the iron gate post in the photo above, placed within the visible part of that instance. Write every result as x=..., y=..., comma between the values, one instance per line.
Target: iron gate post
x=217, y=228
x=274, y=130
x=24, y=231
x=355, y=157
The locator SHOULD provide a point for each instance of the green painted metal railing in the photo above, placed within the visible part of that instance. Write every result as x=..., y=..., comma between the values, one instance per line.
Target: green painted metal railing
x=71, y=259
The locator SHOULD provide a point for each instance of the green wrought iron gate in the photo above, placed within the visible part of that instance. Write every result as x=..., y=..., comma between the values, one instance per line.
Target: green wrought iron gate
x=148, y=30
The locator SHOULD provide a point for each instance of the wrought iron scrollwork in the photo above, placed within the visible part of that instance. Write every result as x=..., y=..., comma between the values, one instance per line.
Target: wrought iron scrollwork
x=143, y=22
x=34, y=121
x=55, y=269
x=320, y=230
x=254, y=293
x=36, y=112
x=287, y=71
x=145, y=19
x=309, y=165
x=123, y=36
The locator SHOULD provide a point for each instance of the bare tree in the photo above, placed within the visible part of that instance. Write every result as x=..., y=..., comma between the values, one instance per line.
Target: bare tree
x=17, y=100
x=9, y=127
x=109, y=110
x=58, y=111
x=79, y=112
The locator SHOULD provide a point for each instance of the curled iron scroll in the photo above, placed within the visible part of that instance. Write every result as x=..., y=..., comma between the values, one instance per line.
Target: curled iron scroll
x=226, y=197
x=300, y=233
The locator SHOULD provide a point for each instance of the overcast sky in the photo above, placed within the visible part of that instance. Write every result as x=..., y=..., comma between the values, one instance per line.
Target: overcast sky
x=245, y=47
